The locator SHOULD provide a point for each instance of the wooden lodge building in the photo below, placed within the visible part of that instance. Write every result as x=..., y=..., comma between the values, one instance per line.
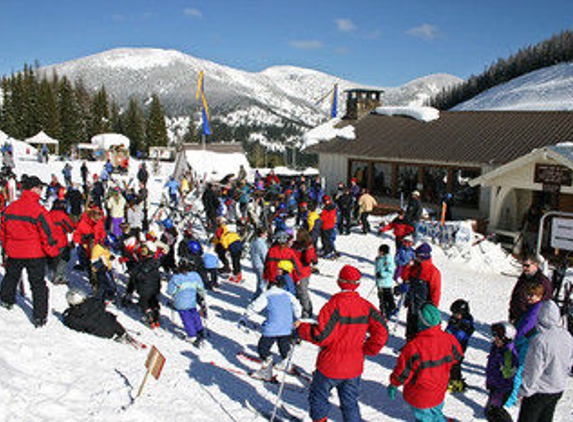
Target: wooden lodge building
x=394, y=155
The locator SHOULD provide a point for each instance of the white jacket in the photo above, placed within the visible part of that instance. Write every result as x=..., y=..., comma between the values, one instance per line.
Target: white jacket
x=550, y=355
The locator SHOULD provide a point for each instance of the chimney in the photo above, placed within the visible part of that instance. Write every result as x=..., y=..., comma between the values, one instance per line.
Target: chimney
x=360, y=102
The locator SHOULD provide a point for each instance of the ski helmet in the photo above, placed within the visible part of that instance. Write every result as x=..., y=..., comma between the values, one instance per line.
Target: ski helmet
x=285, y=265
x=461, y=307
x=110, y=240
x=281, y=237
x=194, y=247
x=75, y=297
x=168, y=223
x=505, y=331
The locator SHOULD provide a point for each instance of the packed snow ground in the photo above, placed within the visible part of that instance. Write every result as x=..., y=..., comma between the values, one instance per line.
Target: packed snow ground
x=54, y=373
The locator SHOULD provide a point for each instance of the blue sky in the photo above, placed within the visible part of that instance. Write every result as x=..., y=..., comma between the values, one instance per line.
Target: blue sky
x=377, y=42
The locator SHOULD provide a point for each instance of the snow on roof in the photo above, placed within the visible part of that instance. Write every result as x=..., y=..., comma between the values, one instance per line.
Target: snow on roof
x=425, y=114
x=213, y=166
x=107, y=140
x=285, y=171
x=326, y=132
x=42, y=138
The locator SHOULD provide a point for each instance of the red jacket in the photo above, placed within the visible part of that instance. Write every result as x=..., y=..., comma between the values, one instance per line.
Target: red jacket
x=88, y=226
x=328, y=217
x=62, y=227
x=428, y=273
x=341, y=333
x=278, y=253
x=26, y=230
x=400, y=226
x=307, y=257
x=424, y=365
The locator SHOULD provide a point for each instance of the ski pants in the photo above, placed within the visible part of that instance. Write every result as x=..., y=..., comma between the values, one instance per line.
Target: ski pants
x=387, y=302
x=265, y=344
x=191, y=321
x=303, y=297
x=36, y=269
x=319, y=395
x=538, y=407
x=432, y=414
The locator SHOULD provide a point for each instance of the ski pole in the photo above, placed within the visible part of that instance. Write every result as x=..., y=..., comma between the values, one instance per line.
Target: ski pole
x=282, y=385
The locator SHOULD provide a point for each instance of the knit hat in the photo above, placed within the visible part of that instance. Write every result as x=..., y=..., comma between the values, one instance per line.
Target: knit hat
x=349, y=278
x=430, y=316
x=423, y=252
x=30, y=182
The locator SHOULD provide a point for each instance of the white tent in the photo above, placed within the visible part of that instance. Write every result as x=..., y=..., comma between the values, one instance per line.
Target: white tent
x=41, y=138
x=107, y=140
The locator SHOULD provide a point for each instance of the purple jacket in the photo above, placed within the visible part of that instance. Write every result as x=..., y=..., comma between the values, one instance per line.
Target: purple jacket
x=525, y=326
x=518, y=303
x=500, y=371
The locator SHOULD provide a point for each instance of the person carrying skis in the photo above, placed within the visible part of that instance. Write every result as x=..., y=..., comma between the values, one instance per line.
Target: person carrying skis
x=424, y=365
x=461, y=326
x=500, y=371
x=187, y=290
x=282, y=311
x=384, y=271
x=424, y=283
x=348, y=328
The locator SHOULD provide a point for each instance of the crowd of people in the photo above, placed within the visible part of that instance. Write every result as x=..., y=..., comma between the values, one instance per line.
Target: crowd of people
x=284, y=227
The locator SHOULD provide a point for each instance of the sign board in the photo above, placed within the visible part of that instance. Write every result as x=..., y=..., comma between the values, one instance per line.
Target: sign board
x=155, y=362
x=562, y=233
x=549, y=174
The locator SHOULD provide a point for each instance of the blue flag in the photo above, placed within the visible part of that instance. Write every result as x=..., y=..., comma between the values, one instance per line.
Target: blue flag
x=334, y=105
x=206, y=125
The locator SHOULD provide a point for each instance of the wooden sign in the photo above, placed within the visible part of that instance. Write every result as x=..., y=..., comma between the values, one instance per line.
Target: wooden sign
x=549, y=174
x=154, y=364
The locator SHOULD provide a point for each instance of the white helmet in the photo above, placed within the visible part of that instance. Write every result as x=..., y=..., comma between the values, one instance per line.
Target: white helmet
x=75, y=297
x=504, y=330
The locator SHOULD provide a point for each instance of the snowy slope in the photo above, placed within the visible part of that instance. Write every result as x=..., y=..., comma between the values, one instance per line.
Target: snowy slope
x=54, y=373
x=550, y=88
x=288, y=92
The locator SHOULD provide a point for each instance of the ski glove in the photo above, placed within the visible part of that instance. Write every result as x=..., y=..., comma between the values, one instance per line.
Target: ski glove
x=403, y=288
x=391, y=390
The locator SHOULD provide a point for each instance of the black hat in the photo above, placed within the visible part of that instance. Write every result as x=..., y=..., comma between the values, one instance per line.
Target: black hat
x=30, y=182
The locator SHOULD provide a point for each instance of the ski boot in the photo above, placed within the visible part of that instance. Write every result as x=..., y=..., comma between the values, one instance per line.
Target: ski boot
x=265, y=372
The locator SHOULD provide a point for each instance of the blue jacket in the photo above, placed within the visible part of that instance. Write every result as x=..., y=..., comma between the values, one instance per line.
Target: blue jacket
x=282, y=309
x=403, y=256
x=184, y=289
x=384, y=267
x=462, y=329
x=210, y=261
x=259, y=250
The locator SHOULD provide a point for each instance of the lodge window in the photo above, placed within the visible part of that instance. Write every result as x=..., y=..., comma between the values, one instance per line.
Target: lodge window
x=396, y=180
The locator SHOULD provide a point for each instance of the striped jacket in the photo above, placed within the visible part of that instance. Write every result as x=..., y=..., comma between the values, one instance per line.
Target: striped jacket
x=341, y=333
x=423, y=367
x=26, y=230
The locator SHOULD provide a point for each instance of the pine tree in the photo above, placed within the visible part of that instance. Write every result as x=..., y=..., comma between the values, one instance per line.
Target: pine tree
x=72, y=123
x=156, y=131
x=100, y=116
x=47, y=110
x=134, y=127
x=191, y=136
x=115, y=119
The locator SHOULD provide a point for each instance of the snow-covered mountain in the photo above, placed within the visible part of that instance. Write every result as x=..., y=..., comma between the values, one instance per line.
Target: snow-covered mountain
x=550, y=88
x=274, y=96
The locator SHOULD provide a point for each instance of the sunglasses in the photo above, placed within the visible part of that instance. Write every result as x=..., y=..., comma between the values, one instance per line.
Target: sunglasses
x=527, y=265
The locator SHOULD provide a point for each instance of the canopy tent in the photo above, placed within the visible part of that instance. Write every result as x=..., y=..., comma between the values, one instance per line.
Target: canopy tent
x=41, y=138
x=107, y=140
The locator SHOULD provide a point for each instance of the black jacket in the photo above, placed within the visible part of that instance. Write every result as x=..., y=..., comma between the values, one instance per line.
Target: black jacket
x=92, y=318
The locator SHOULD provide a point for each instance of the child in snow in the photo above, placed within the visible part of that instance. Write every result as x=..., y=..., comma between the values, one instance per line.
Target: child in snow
x=187, y=290
x=211, y=265
x=400, y=227
x=500, y=371
x=104, y=287
x=282, y=310
x=404, y=255
x=384, y=267
x=284, y=270
x=88, y=315
x=148, y=285
x=461, y=326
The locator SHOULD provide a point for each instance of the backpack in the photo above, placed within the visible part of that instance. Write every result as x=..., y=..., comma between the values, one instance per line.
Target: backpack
x=418, y=293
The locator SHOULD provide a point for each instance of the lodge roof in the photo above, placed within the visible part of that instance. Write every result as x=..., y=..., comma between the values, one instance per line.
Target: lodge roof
x=457, y=137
